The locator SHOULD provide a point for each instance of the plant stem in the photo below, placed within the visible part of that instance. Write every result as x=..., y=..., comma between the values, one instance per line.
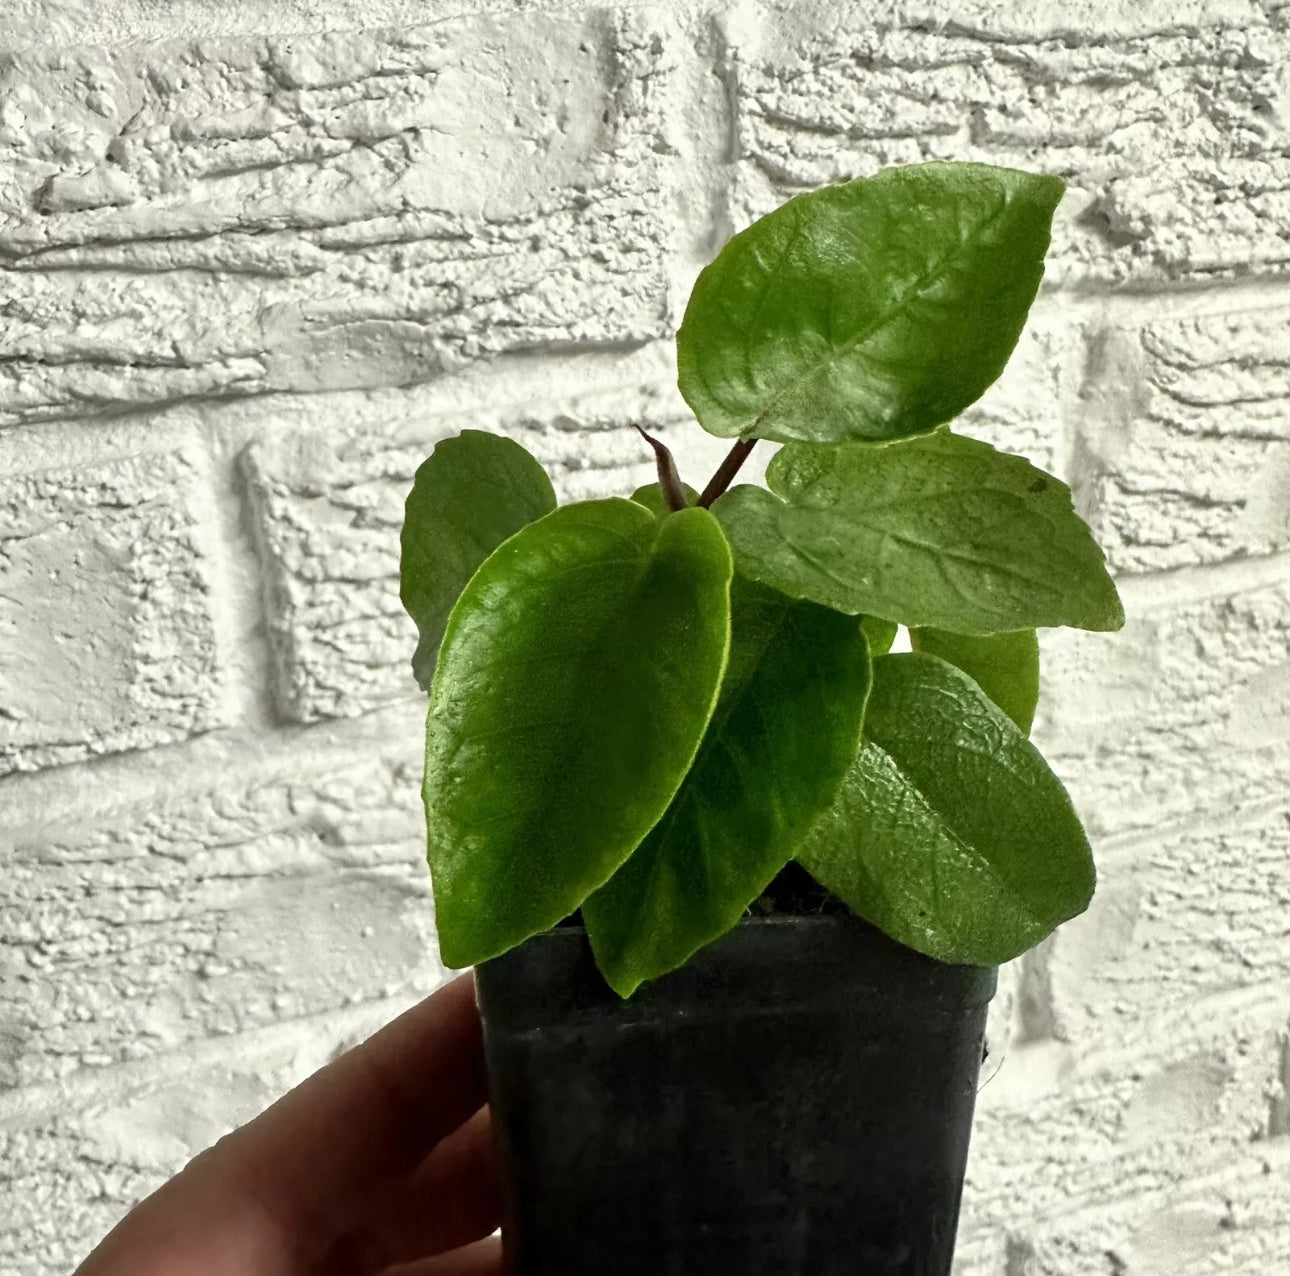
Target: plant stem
x=726, y=471
x=668, y=479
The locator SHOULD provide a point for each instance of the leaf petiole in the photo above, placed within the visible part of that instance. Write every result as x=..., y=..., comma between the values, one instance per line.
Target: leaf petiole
x=726, y=471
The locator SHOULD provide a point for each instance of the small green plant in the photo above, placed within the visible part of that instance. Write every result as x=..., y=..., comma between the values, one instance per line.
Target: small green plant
x=647, y=707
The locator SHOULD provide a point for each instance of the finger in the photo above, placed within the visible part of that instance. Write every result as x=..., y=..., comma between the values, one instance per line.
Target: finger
x=365, y=1119
x=452, y=1199
x=275, y=1194
x=170, y=1234
x=483, y=1258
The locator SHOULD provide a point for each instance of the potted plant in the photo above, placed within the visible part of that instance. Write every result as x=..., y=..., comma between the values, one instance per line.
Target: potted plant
x=736, y=879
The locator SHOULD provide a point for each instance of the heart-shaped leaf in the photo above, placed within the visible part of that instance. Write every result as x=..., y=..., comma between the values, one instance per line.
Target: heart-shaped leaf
x=1004, y=666
x=471, y=493
x=941, y=531
x=950, y=832
x=578, y=672
x=785, y=730
x=873, y=309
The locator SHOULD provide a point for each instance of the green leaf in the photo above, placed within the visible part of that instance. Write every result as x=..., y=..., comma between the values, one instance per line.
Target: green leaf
x=473, y=492
x=651, y=496
x=873, y=309
x=881, y=634
x=949, y=831
x=785, y=730
x=578, y=672
x=1004, y=666
x=940, y=531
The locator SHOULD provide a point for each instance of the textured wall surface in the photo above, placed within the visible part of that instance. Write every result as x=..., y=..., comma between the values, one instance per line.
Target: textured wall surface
x=255, y=259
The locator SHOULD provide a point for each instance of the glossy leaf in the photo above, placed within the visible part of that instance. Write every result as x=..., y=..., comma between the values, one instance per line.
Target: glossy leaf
x=949, y=831
x=873, y=309
x=785, y=730
x=941, y=531
x=651, y=496
x=881, y=634
x=471, y=493
x=578, y=673
x=1004, y=666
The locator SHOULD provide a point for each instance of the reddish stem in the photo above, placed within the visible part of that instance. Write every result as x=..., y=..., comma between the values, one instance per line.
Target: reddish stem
x=726, y=471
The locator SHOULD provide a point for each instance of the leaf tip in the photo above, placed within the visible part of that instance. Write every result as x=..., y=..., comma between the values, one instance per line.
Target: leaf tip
x=1112, y=616
x=1118, y=613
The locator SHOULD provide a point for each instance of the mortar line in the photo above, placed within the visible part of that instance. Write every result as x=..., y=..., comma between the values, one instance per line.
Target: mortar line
x=1217, y=1173
x=1202, y=582
x=1206, y=822
x=1207, y=1019
x=87, y=1088
x=237, y=614
x=195, y=765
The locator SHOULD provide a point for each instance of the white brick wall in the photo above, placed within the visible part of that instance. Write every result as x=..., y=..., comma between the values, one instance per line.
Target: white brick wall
x=258, y=258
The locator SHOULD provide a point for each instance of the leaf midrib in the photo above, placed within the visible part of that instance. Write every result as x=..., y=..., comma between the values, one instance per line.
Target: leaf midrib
x=972, y=850
x=931, y=549
x=711, y=737
x=839, y=352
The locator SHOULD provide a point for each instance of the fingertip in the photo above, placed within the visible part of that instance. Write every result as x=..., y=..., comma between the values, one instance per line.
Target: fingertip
x=481, y=1258
x=454, y=1197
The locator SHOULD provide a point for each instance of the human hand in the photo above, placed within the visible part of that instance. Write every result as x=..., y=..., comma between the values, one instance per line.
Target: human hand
x=376, y=1163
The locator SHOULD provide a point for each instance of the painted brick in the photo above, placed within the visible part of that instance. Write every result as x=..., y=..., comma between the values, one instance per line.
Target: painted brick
x=329, y=509
x=1032, y=408
x=1159, y=942
x=224, y=217
x=38, y=24
x=1232, y=1220
x=1185, y=709
x=73, y=1178
x=1172, y=132
x=58, y=1203
x=106, y=633
x=75, y=1162
x=1186, y=439
x=1110, y=1144
x=242, y=895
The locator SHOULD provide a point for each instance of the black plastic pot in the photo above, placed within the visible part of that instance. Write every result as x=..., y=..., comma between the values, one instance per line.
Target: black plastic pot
x=797, y=1100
